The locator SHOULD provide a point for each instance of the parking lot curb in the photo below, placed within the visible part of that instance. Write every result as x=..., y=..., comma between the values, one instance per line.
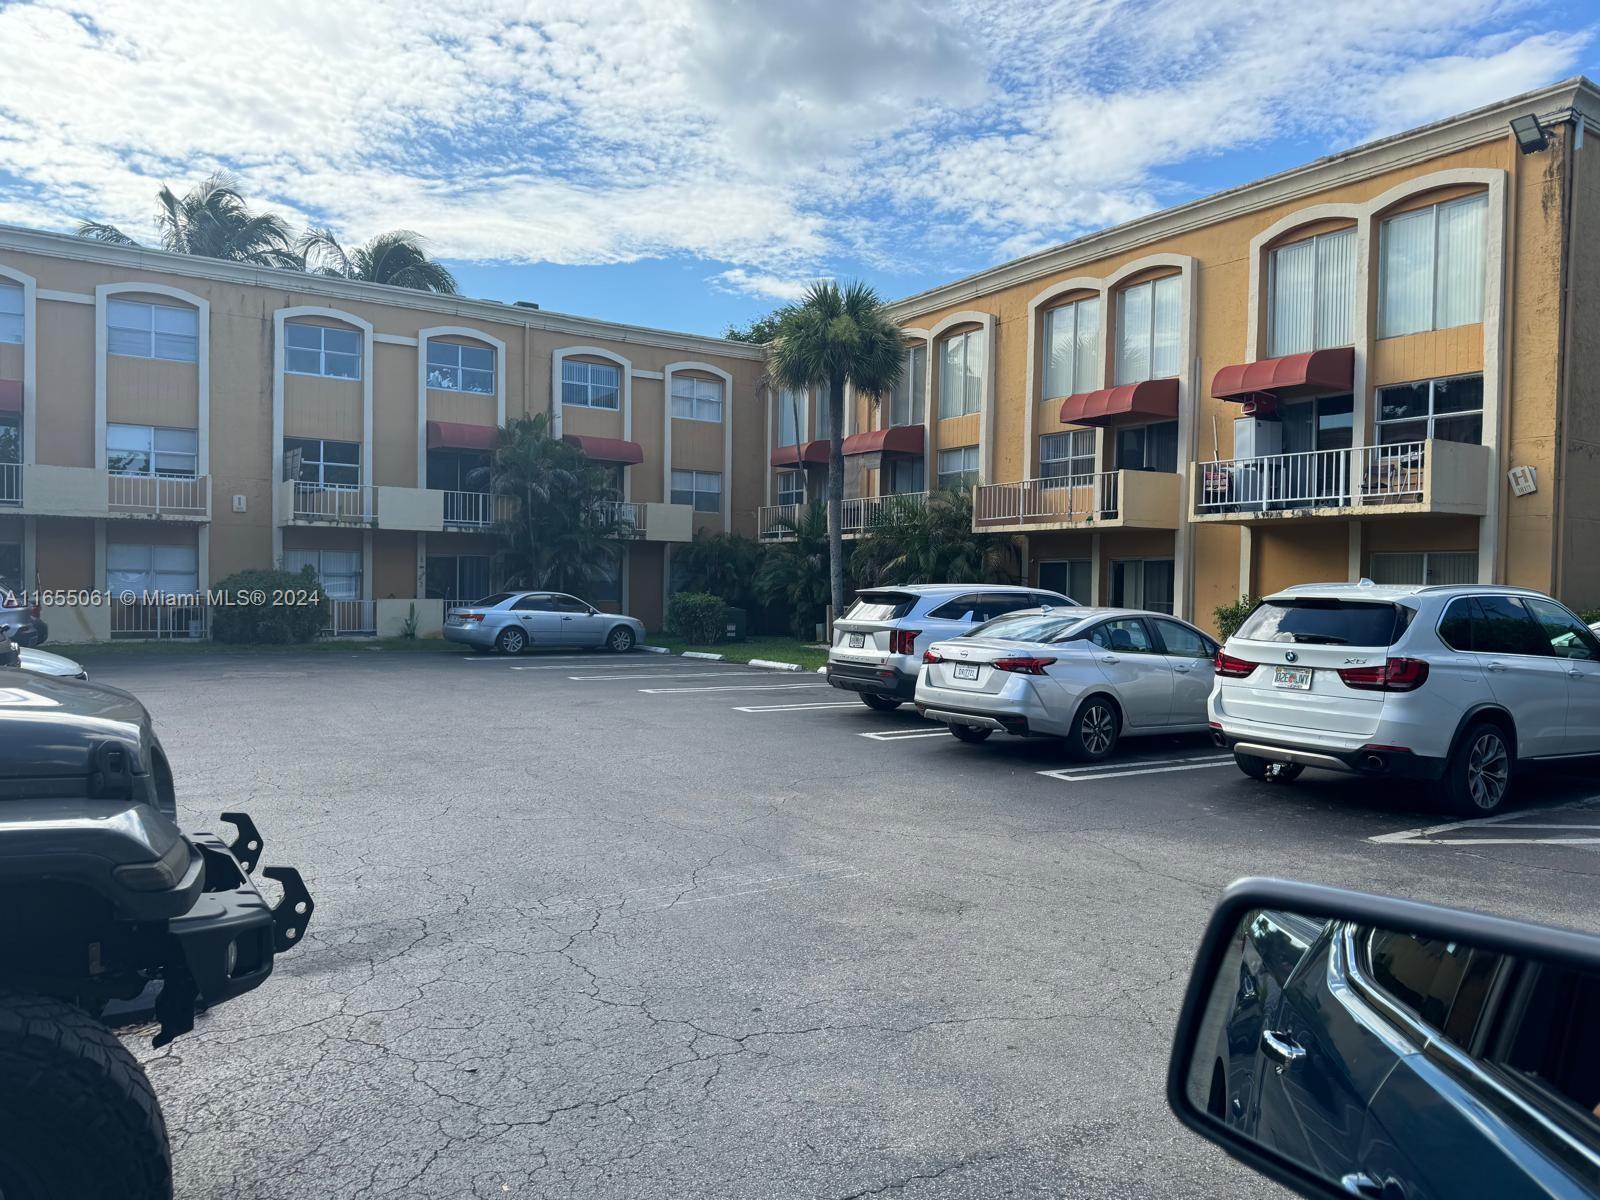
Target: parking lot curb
x=772, y=665
x=654, y=650
x=701, y=654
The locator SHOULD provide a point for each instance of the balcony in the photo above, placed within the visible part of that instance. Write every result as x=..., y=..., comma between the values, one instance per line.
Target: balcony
x=1105, y=500
x=633, y=520
x=328, y=503
x=1365, y=481
x=776, y=522
x=474, y=510
x=162, y=497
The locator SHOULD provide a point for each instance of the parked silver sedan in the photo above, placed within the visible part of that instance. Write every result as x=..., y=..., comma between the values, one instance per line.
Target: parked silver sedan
x=1085, y=675
x=511, y=622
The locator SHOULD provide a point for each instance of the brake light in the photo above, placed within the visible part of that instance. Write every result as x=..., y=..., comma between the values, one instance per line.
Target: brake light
x=928, y=656
x=1230, y=667
x=1395, y=675
x=903, y=641
x=1023, y=666
x=470, y=616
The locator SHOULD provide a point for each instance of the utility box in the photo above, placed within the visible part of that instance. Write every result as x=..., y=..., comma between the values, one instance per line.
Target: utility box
x=1256, y=438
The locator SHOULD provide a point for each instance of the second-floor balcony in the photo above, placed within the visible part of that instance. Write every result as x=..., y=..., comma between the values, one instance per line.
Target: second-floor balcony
x=45, y=489
x=11, y=485
x=329, y=503
x=1407, y=477
x=1102, y=500
x=167, y=497
x=859, y=514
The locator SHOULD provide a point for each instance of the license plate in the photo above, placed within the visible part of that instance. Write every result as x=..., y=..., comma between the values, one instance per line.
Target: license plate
x=857, y=640
x=1297, y=679
x=966, y=670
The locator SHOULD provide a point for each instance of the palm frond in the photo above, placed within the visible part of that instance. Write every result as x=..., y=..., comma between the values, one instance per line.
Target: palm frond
x=97, y=231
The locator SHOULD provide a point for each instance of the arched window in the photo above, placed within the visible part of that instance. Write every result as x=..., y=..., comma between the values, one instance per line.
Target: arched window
x=1311, y=290
x=961, y=374
x=1072, y=348
x=1148, y=316
x=1430, y=273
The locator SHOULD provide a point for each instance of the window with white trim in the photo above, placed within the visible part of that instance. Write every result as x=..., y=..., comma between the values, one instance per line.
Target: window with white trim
x=590, y=384
x=961, y=374
x=791, y=416
x=1448, y=409
x=908, y=404
x=1311, y=288
x=791, y=487
x=1148, y=316
x=339, y=571
x=702, y=489
x=455, y=367
x=1067, y=456
x=170, y=570
x=1072, y=348
x=958, y=467
x=137, y=329
x=325, y=462
x=12, y=326
x=321, y=350
x=1430, y=273
x=696, y=399
x=1427, y=567
x=151, y=450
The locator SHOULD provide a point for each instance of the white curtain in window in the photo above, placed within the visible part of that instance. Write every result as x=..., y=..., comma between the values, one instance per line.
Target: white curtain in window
x=789, y=408
x=961, y=376
x=166, y=569
x=1336, y=289
x=1060, y=350
x=1458, y=271
x=1133, y=334
x=974, y=381
x=1405, y=303
x=10, y=313
x=1294, y=297
x=1164, y=331
x=1086, y=354
x=824, y=413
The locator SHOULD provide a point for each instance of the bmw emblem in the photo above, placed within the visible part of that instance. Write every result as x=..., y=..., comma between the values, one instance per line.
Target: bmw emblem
x=1291, y=657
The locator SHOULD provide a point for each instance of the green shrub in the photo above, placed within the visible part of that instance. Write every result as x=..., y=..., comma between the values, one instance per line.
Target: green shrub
x=248, y=614
x=1590, y=617
x=698, y=617
x=1230, y=616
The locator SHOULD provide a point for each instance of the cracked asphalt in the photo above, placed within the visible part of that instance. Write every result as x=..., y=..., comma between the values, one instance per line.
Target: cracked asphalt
x=575, y=938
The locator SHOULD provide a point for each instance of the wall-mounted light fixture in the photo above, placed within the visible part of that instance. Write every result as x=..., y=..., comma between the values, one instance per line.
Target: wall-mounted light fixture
x=1531, y=136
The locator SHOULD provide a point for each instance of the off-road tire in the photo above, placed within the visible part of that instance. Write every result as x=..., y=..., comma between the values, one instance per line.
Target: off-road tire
x=880, y=703
x=1267, y=770
x=970, y=733
x=80, y=1118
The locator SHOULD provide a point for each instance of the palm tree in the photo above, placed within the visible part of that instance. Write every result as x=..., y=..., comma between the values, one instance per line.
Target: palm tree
x=211, y=221
x=559, y=533
x=395, y=258
x=933, y=542
x=792, y=575
x=832, y=337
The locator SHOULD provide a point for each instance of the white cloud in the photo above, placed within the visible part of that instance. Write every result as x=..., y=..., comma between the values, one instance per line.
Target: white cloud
x=757, y=283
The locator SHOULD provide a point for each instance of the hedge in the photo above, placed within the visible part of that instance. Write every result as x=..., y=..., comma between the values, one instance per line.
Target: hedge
x=698, y=617
x=266, y=607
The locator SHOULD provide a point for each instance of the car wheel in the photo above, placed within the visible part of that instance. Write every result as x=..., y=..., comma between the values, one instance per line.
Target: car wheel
x=970, y=733
x=620, y=640
x=511, y=640
x=1477, y=780
x=883, y=703
x=68, y=1076
x=1095, y=729
x=1267, y=770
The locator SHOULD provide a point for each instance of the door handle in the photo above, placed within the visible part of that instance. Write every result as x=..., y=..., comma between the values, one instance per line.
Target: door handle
x=566, y=618
x=1359, y=1183
x=1281, y=1049
x=1495, y=666
x=1109, y=658
x=1181, y=670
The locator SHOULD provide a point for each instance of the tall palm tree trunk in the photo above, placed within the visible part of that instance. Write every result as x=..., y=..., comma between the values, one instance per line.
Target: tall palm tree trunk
x=836, y=494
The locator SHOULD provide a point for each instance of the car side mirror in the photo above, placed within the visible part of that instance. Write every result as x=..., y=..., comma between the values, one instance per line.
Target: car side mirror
x=1345, y=1044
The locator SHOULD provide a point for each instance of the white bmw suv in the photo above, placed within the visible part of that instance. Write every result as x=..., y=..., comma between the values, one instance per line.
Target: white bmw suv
x=1453, y=686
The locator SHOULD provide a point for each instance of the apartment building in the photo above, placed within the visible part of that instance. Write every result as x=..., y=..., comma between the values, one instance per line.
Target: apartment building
x=166, y=421
x=1381, y=364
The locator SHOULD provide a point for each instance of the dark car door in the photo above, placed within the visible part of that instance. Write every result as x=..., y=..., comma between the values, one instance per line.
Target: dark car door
x=1272, y=946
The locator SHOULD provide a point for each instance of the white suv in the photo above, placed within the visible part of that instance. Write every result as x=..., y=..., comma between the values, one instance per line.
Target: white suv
x=1453, y=686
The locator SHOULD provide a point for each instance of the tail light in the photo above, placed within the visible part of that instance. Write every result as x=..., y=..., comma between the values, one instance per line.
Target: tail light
x=903, y=641
x=33, y=611
x=1023, y=666
x=928, y=656
x=470, y=616
x=1395, y=675
x=1230, y=667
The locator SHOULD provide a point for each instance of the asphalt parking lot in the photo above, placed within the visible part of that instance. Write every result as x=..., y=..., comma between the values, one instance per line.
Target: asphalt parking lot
x=645, y=926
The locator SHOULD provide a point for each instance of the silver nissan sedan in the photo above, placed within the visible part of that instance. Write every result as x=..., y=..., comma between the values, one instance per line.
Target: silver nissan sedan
x=512, y=622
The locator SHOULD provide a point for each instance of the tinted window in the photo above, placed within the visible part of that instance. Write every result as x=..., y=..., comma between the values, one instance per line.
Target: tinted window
x=567, y=604
x=1029, y=627
x=1181, y=641
x=1420, y=974
x=1568, y=637
x=959, y=609
x=880, y=606
x=998, y=604
x=1502, y=626
x=1127, y=636
x=1455, y=627
x=1050, y=600
x=1550, y=1036
x=1326, y=622
x=533, y=604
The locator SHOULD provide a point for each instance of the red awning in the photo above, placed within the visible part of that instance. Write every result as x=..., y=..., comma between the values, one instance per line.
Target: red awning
x=455, y=435
x=1318, y=372
x=606, y=450
x=901, y=439
x=1152, y=400
x=811, y=454
x=10, y=395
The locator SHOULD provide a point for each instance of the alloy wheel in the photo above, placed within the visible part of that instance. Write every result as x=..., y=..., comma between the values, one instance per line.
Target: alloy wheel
x=621, y=640
x=1488, y=770
x=1097, y=728
x=513, y=642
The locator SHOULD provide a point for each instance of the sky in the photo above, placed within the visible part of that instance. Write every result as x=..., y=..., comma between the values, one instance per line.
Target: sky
x=688, y=164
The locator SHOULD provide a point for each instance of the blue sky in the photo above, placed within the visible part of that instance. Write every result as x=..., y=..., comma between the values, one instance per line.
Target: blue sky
x=690, y=163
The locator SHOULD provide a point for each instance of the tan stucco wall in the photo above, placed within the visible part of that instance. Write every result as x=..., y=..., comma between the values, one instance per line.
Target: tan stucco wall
x=65, y=554
x=394, y=564
x=64, y=420
x=1577, y=483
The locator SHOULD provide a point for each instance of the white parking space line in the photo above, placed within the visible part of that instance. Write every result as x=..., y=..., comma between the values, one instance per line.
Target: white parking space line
x=903, y=735
x=734, y=687
x=1506, y=829
x=674, y=675
x=814, y=706
x=1093, y=774
x=580, y=664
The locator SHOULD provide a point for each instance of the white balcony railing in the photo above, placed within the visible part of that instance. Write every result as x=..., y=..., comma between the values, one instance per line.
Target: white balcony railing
x=175, y=619
x=1061, y=499
x=776, y=522
x=1394, y=474
x=356, y=503
x=625, y=518
x=159, y=495
x=469, y=510
x=351, y=618
x=10, y=483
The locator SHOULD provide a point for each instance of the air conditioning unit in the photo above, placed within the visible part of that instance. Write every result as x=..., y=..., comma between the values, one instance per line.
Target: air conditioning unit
x=1255, y=438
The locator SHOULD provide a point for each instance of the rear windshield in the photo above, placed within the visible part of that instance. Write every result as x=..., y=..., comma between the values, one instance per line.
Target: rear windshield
x=1315, y=622
x=880, y=606
x=491, y=601
x=1025, y=627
